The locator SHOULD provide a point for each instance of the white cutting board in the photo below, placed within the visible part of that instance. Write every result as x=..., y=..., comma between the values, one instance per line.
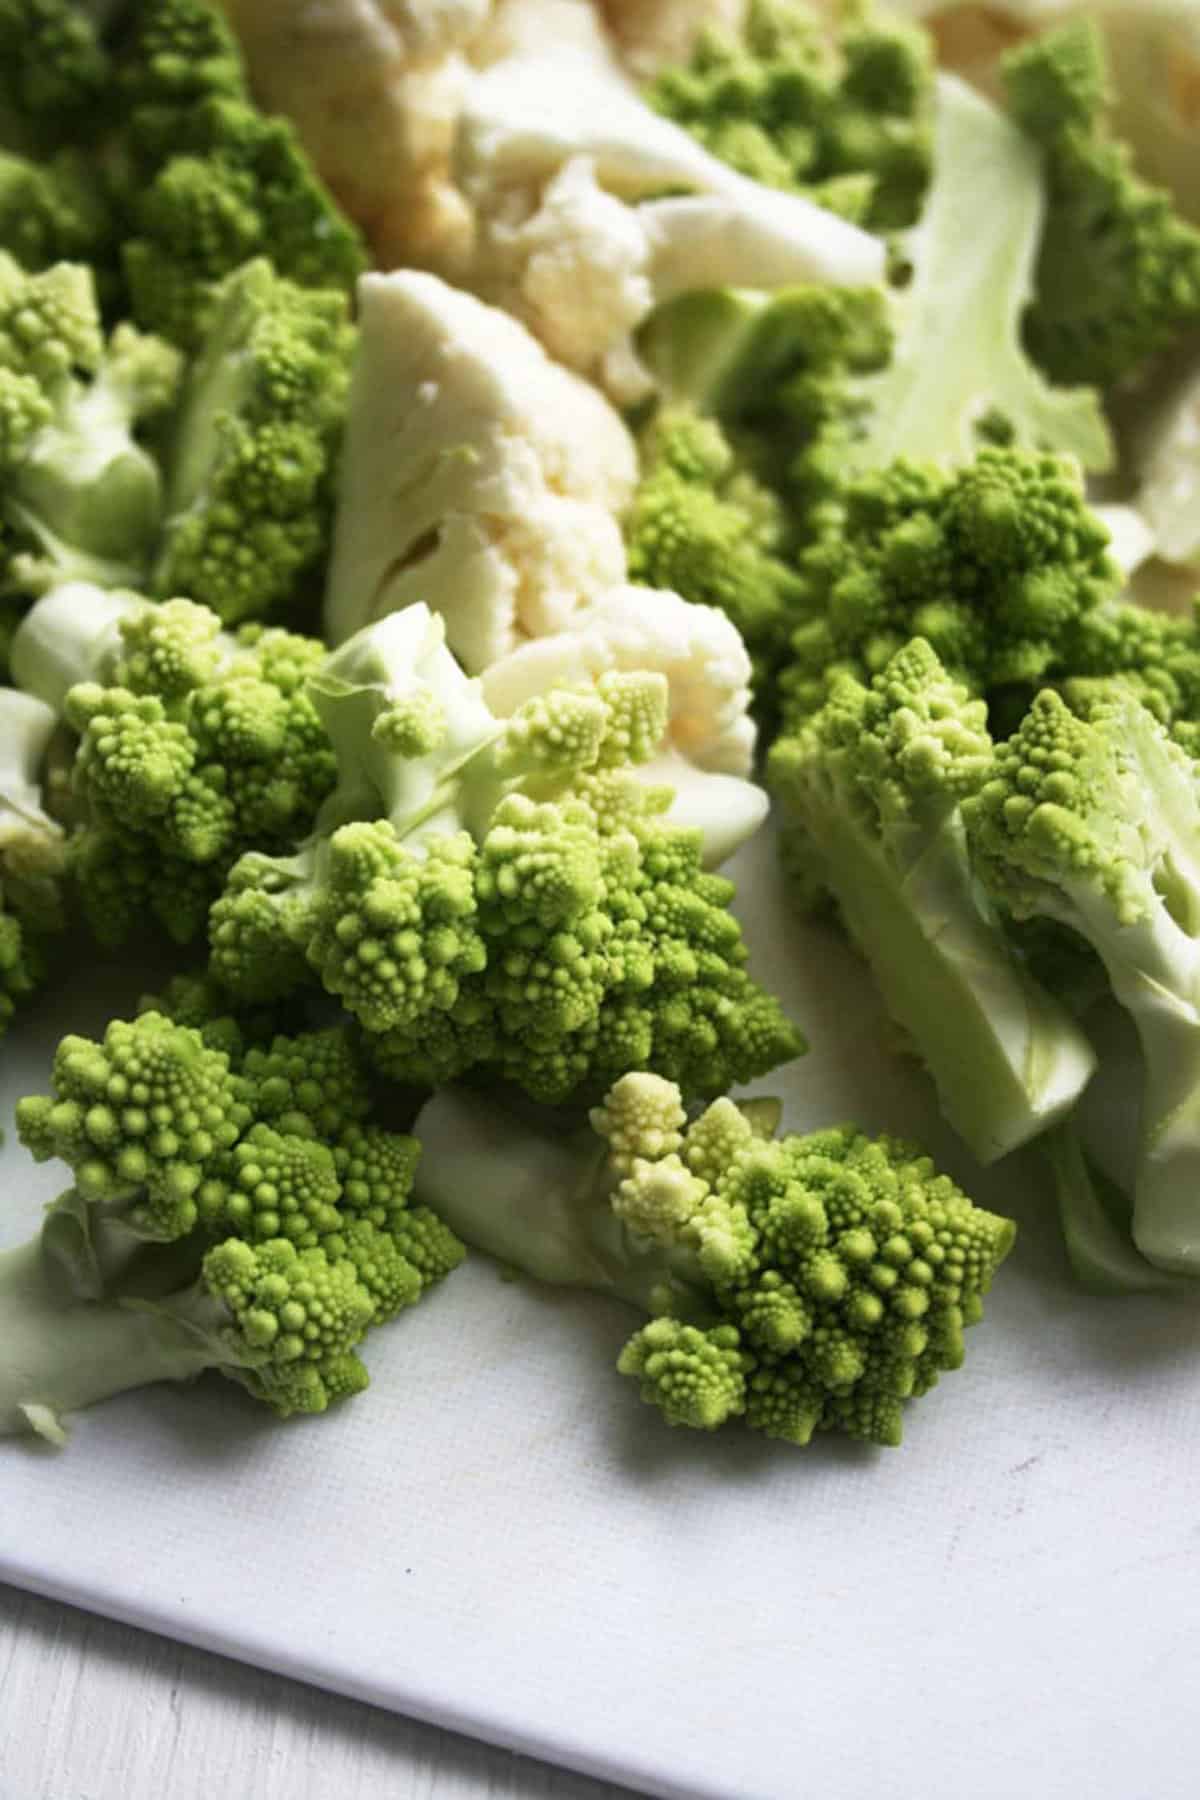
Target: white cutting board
x=500, y=1538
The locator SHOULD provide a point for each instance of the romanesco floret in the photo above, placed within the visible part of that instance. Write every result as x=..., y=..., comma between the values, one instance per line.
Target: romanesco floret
x=54, y=211
x=995, y=565
x=704, y=525
x=252, y=452
x=930, y=368
x=846, y=124
x=1118, y=270
x=507, y=897
x=1090, y=818
x=212, y=182
x=803, y=1283
x=194, y=999
x=55, y=75
x=194, y=746
x=254, y=1232
x=81, y=495
x=871, y=791
x=1157, y=654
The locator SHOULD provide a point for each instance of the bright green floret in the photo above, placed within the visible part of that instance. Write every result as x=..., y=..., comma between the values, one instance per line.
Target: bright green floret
x=142, y=1119
x=871, y=791
x=55, y=75
x=830, y=384
x=54, y=211
x=996, y=565
x=846, y=123
x=212, y=182
x=219, y=1218
x=1155, y=654
x=80, y=494
x=1118, y=271
x=194, y=745
x=704, y=525
x=805, y=1283
x=1090, y=819
x=501, y=895
x=252, y=454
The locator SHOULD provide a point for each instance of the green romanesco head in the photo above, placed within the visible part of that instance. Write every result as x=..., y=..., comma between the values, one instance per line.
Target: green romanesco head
x=1118, y=275
x=168, y=650
x=1156, y=654
x=146, y=1115
x=259, y=927
x=132, y=762
x=53, y=211
x=995, y=565
x=122, y=888
x=845, y=123
x=290, y=1321
x=705, y=525
x=285, y=1210
x=376, y=1169
x=203, y=747
x=183, y=52
x=278, y=1185
x=55, y=77
x=22, y=963
x=695, y=1377
x=637, y=963
x=251, y=462
x=213, y=182
x=842, y=1272
x=1082, y=814
x=393, y=933
x=641, y=1118
x=901, y=751
x=311, y=1085
x=82, y=495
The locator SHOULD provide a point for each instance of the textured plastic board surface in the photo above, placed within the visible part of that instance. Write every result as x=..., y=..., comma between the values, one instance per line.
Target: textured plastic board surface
x=500, y=1539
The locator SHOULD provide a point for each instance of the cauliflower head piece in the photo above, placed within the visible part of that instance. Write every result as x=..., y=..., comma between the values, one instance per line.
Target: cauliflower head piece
x=374, y=88
x=478, y=475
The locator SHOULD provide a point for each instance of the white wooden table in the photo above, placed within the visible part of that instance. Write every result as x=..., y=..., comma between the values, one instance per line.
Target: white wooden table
x=92, y=1710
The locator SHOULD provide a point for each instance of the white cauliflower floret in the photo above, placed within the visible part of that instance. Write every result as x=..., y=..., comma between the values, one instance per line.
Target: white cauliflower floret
x=709, y=749
x=577, y=271
x=375, y=88
x=557, y=147
x=502, y=144
x=477, y=475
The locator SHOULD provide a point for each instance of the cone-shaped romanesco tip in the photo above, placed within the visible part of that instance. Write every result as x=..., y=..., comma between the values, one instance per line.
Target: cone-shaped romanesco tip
x=642, y=1116
x=506, y=894
x=695, y=1378
x=195, y=745
x=138, y=1117
x=805, y=1283
x=287, y=1212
